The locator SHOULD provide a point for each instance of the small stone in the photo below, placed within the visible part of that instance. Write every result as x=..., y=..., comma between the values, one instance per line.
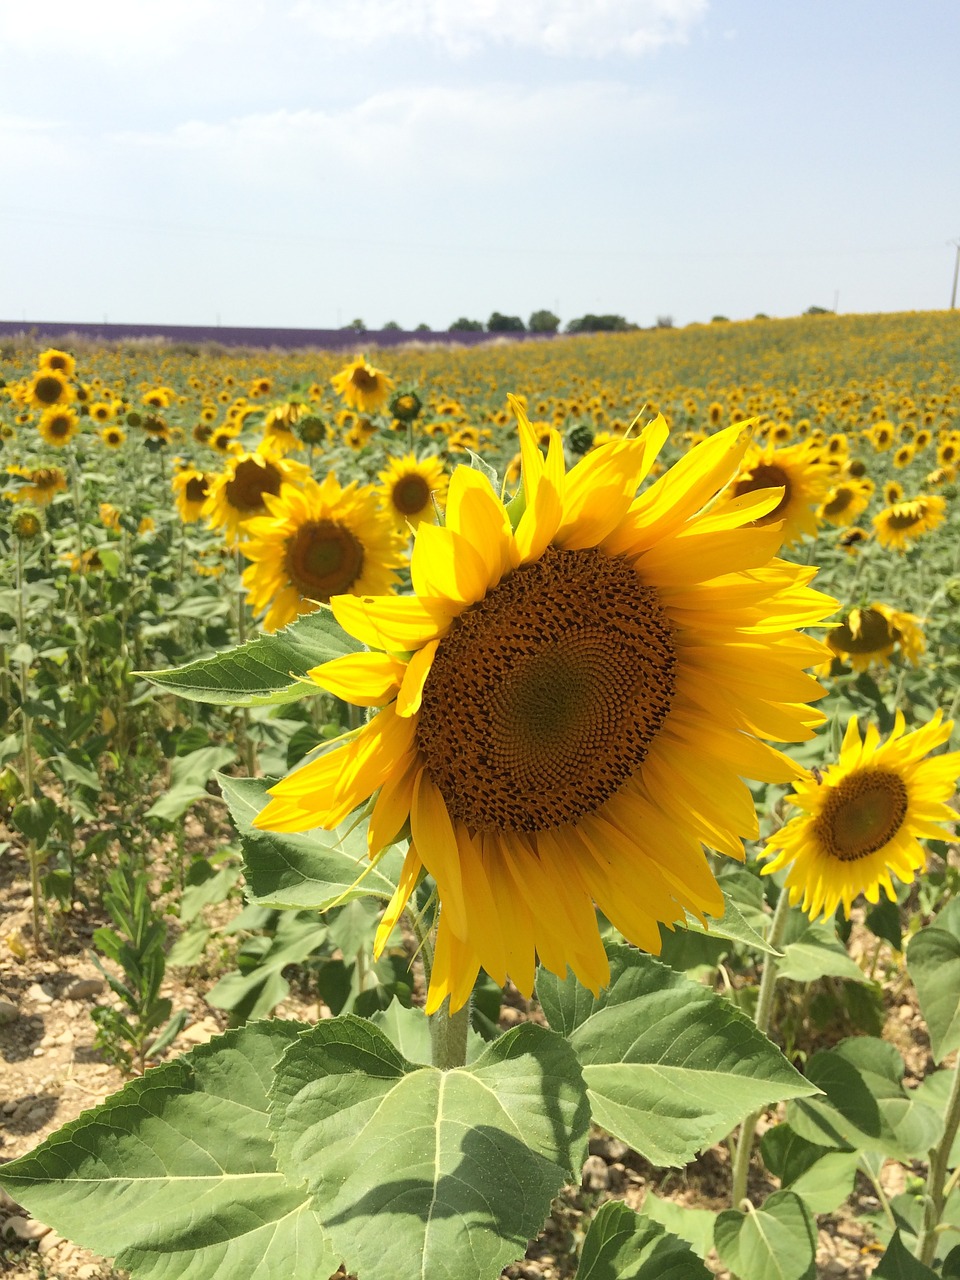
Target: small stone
x=612, y=1148
x=38, y=1053
x=9, y=1108
x=596, y=1175
x=39, y=994
x=83, y=989
x=49, y=1242
x=25, y=1228
x=87, y=1271
x=8, y=1012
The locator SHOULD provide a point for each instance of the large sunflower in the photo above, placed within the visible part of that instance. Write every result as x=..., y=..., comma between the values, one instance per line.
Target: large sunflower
x=318, y=541
x=239, y=492
x=364, y=388
x=49, y=387
x=58, y=425
x=409, y=489
x=568, y=702
x=862, y=817
x=802, y=475
x=905, y=522
x=867, y=637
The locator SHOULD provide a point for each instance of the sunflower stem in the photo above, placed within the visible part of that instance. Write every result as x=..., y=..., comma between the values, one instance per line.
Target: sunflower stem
x=768, y=983
x=34, y=856
x=449, y=1035
x=937, y=1185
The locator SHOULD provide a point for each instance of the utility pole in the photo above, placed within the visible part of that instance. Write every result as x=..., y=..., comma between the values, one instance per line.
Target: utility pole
x=956, y=274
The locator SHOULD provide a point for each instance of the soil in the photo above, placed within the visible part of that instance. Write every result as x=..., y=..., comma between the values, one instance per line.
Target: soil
x=50, y=1072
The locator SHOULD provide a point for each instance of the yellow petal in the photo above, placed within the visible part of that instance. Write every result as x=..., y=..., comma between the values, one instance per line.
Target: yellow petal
x=397, y=624
x=409, y=874
x=365, y=679
x=418, y=668
x=436, y=842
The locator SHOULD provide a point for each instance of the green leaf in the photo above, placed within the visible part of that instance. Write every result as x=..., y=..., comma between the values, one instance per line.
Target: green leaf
x=175, y=1175
x=816, y=953
x=189, y=776
x=270, y=669
x=821, y=1176
x=670, y=1067
x=778, y=1241
x=417, y=1172
x=313, y=870
x=693, y=1225
x=933, y=961
x=409, y=1031
x=866, y=1107
x=259, y=985
x=35, y=817
x=899, y=1264
x=934, y=1091
x=623, y=1245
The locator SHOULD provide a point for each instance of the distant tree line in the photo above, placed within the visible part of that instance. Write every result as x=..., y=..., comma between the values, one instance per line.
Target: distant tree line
x=542, y=321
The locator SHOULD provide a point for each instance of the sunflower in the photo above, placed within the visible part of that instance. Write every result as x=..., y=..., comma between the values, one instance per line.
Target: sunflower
x=948, y=453
x=362, y=386
x=156, y=429
x=26, y=524
x=799, y=472
x=567, y=705
x=863, y=817
x=881, y=435
x=58, y=361
x=867, y=637
x=158, y=398
x=411, y=490
x=58, y=425
x=903, y=456
x=844, y=502
x=49, y=387
x=905, y=522
x=318, y=540
x=42, y=484
x=405, y=405
x=238, y=493
x=191, y=489
x=100, y=411
x=109, y=516
x=892, y=492
x=224, y=440
x=113, y=437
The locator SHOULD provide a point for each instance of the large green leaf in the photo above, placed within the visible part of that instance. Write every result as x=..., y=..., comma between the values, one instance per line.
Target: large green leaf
x=821, y=1176
x=269, y=669
x=933, y=959
x=189, y=776
x=899, y=1264
x=778, y=1241
x=934, y=1091
x=175, y=1174
x=421, y=1173
x=623, y=1245
x=865, y=1107
x=690, y=1224
x=670, y=1067
x=816, y=953
x=313, y=870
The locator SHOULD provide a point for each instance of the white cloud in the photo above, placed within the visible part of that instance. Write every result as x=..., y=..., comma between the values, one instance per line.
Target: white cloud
x=582, y=28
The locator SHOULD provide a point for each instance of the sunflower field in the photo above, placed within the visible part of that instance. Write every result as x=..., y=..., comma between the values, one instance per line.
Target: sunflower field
x=478, y=812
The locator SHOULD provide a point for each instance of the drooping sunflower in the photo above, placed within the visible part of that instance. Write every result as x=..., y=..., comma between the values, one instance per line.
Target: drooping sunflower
x=567, y=704
x=317, y=541
x=191, y=489
x=364, y=388
x=409, y=489
x=42, y=484
x=49, y=387
x=58, y=425
x=844, y=502
x=113, y=437
x=906, y=522
x=800, y=472
x=867, y=637
x=864, y=816
x=239, y=492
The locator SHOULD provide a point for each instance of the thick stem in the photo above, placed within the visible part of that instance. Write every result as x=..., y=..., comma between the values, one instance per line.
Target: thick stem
x=936, y=1190
x=449, y=1034
x=768, y=983
x=34, y=857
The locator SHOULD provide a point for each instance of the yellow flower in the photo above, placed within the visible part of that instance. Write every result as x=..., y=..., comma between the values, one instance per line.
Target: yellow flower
x=42, y=484
x=863, y=817
x=867, y=637
x=191, y=489
x=100, y=411
x=905, y=522
x=844, y=502
x=239, y=492
x=362, y=386
x=568, y=702
x=892, y=492
x=318, y=540
x=49, y=387
x=797, y=470
x=109, y=516
x=58, y=426
x=904, y=456
x=113, y=437
x=58, y=361
x=158, y=398
x=410, y=489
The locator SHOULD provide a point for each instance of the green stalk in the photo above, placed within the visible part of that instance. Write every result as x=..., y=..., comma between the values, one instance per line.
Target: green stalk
x=449, y=1035
x=33, y=856
x=768, y=983
x=938, y=1188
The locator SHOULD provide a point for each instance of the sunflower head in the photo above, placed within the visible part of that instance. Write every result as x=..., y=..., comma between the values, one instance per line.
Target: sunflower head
x=800, y=474
x=26, y=524
x=50, y=387
x=898, y=525
x=362, y=386
x=405, y=405
x=59, y=361
x=867, y=637
x=412, y=490
x=58, y=425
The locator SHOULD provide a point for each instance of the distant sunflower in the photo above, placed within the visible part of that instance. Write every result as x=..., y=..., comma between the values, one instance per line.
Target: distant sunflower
x=100, y=411
x=567, y=706
x=867, y=637
x=156, y=429
x=318, y=540
x=948, y=452
x=191, y=489
x=362, y=386
x=905, y=522
x=903, y=456
x=804, y=479
x=239, y=492
x=59, y=361
x=49, y=387
x=224, y=440
x=892, y=492
x=864, y=816
x=881, y=435
x=410, y=488
x=844, y=502
x=42, y=484
x=58, y=426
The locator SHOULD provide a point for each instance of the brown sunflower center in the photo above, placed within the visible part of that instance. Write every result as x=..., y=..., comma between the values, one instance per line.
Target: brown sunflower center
x=842, y=498
x=250, y=482
x=766, y=475
x=905, y=517
x=323, y=559
x=60, y=425
x=862, y=814
x=410, y=494
x=363, y=380
x=48, y=389
x=873, y=635
x=544, y=698
x=196, y=489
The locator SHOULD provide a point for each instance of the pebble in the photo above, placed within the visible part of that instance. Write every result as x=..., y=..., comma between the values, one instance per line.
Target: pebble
x=8, y=1012
x=25, y=1228
x=39, y=994
x=49, y=1241
x=83, y=989
x=596, y=1174
x=88, y=1271
x=9, y=1108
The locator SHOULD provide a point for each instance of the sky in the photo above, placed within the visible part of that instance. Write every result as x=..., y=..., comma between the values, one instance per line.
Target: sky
x=305, y=163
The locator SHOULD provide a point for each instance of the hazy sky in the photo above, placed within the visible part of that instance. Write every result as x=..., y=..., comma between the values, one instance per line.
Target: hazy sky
x=306, y=162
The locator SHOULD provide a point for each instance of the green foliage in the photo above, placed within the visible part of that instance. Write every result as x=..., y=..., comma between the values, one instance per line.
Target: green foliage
x=775, y=1242
x=933, y=959
x=623, y=1245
